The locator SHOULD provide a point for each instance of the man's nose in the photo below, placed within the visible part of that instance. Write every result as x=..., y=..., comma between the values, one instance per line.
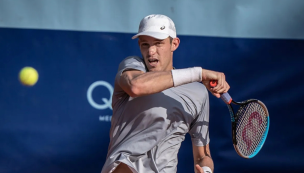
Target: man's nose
x=152, y=50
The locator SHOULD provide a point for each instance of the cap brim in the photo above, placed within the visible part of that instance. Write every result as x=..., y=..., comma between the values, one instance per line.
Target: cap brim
x=156, y=35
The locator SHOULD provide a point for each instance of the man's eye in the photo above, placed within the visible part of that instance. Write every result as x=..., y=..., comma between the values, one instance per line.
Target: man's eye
x=144, y=44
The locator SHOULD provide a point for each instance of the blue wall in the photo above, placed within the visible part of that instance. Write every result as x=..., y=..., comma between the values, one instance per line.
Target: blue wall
x=53, y=127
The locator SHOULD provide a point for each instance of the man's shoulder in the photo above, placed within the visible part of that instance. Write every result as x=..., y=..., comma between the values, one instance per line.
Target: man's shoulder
x=132, y=59
x=132, y=62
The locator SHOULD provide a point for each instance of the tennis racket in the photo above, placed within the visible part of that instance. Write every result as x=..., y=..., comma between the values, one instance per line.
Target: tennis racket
x=250, y=124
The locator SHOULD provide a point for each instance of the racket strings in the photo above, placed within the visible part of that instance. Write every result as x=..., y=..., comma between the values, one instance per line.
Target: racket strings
x=252, y=123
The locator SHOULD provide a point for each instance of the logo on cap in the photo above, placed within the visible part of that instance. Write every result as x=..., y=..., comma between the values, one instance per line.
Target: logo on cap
x=162, y=28
x=150, y=16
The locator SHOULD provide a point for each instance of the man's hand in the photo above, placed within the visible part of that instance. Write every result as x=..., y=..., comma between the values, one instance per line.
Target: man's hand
x=199, y=169
x=222, y=86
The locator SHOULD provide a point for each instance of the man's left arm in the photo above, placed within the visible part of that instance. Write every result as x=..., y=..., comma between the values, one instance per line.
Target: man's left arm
x=202, y=158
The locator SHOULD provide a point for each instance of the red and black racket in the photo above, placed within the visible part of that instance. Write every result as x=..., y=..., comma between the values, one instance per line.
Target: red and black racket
x=250, y=124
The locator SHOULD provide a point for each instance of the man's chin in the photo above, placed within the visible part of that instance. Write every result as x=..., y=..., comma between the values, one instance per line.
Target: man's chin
x=153, y=69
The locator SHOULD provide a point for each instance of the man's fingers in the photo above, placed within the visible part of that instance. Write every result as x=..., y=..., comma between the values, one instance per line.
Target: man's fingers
x=220, y=82
x=222, y=89
x=216, y=95
x=199, y=169
x=222, y=85
x=227, y=87
x=222, y=79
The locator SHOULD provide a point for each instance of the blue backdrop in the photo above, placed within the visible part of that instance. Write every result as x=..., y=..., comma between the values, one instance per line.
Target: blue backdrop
x=62, y=123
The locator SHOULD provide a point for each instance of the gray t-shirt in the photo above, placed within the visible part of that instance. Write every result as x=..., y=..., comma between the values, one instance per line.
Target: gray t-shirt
x=147, y=131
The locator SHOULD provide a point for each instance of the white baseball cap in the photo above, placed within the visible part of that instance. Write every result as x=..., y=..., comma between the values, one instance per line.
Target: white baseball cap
x=156, y=25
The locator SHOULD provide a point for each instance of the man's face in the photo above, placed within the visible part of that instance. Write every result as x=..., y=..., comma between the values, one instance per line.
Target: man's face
x=157, y=54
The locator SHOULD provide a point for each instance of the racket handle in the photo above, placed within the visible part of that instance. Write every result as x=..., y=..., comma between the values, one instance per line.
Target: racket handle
x=224, y=96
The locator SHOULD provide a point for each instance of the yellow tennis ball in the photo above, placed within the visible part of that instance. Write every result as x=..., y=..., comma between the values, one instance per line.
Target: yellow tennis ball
x=28, y=76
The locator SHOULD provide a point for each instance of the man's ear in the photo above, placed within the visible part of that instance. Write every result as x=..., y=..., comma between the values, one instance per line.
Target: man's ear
x=175, y=44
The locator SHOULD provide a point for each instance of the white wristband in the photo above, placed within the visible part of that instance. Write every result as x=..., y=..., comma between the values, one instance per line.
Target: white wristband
x=188, y=75
x=206, y=169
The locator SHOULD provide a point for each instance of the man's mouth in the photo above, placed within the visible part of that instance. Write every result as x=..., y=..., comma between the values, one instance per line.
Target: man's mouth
x=153, y=62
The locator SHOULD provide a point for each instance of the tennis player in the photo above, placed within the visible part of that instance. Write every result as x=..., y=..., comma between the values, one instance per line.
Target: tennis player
x=155, y=105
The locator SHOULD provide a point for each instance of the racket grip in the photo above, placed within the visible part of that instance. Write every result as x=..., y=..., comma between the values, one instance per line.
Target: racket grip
x=225, y=96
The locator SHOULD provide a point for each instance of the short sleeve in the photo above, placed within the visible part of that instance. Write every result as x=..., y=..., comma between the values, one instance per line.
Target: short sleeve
x=131, y=62
x=199, y=129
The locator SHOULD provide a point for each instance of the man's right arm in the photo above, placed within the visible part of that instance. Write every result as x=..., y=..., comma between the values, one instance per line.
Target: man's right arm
x=138, y=83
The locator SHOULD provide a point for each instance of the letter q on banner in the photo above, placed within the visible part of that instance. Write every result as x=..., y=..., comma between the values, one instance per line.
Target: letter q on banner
x=107, y=102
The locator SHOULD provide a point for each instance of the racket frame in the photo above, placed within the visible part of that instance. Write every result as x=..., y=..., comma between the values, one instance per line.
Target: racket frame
x=234, y=120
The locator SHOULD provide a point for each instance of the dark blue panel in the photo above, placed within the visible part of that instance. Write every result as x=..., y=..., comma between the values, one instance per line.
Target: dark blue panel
x=51, y=127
